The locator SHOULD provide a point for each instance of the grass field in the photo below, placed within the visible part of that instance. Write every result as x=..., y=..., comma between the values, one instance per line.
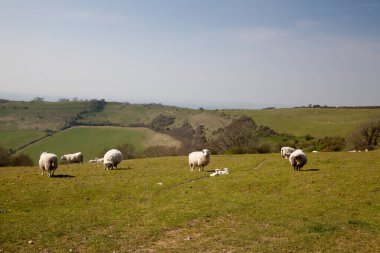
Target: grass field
x=38, y=115
x=15, y=139
x=158, y=205
x=92, y=140
x=318, y=122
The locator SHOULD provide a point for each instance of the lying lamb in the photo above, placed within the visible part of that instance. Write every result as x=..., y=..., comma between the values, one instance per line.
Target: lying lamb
x=218, y=172
x=199, y=159
x=73, y=158
x=96, y=160
x=48, y=162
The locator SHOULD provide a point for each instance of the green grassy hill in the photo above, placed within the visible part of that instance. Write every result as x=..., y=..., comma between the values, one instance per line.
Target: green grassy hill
x=92, y=140
x=317, y=122
x=22, y=122
x=16, y=139
x=158, y=205
x=38, y=115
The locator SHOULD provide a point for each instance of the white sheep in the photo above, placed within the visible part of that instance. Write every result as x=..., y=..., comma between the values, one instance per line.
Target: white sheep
x=199, y=159
x=112, y=158
x=96, y=160
x=73, y=158
x=48, y=162
x=297, y=159
x=286, y=151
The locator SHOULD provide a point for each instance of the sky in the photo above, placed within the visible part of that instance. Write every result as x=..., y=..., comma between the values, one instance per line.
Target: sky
x=192, y=53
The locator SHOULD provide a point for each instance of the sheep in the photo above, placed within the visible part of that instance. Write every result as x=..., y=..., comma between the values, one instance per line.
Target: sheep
x=73, y=158
x=96, y=160
x=297, y=159
x=199, y=159
x=49, y=162
x=112, y=158
x=286, y=151
x=218, y=172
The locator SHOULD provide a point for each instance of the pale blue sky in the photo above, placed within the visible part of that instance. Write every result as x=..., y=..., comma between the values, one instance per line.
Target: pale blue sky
x=198, y=53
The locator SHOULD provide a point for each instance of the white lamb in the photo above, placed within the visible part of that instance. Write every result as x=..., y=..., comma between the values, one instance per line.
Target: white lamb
x=286, y=151
x=48, y=162
x=297, y=159
x=199, y=159
x=112, y=158
x=96, y=160
x=73, y=158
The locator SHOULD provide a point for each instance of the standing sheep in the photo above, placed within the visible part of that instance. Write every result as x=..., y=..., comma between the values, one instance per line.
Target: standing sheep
x=199, y=159
x=73, y=158
x=112, y=158
x=49, y=162
x=286, y=151
x=297, y=159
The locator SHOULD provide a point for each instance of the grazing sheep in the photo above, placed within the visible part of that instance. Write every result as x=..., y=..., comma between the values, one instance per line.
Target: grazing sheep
x=199, y=159
x=286, y=151
x=112, y=158
x=73, y=158
x=48, y=162
x=297, y=159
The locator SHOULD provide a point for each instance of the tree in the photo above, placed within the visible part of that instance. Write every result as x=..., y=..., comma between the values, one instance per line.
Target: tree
x=199, y=138
x=38, y=99
x=366, y=136
x=161, y=121
x=240, y=136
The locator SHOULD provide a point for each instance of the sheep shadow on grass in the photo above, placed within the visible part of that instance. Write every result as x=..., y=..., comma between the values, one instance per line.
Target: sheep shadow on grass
x=309, y=170
x=62, y=176
x=123, y=168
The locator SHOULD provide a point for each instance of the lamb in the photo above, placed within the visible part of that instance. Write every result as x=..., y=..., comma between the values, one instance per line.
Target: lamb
x=286, y=151
x=73, y=158
x=96, y=160
x=199, y=159
x=112, y=158
x=49, y=162
x=297, y=159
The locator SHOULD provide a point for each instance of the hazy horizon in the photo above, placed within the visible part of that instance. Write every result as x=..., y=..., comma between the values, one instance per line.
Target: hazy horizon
x=210, y=54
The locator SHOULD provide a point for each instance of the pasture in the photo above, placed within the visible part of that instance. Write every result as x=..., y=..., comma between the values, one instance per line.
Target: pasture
x=93, y=140
x=158, y=205
x=318, y=122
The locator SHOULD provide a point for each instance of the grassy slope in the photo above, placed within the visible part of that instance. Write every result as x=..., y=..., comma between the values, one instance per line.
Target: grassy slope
x=93, y=140
x=262, y=206
x=127, y=114
x=316, y=122
x=37, y=115
x=15, y=139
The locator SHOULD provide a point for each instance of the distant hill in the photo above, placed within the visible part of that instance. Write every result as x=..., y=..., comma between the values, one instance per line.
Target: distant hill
x=25, y=122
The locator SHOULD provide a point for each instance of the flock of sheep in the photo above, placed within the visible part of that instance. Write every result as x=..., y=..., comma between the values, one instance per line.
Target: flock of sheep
x=49, y=162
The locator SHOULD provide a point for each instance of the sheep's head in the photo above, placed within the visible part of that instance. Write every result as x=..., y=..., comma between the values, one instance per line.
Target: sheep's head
x=206, y=152
x=63, y=157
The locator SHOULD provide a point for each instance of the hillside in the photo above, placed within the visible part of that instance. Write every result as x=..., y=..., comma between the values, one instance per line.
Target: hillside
x=93, y=140
x=317, y=122
x=24, y=122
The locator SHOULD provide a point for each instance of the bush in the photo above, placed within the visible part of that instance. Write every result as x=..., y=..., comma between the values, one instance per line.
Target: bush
x=21, y=160
x=155, y=151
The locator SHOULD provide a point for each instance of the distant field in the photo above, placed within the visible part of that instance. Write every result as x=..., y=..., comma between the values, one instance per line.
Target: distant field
x=129, y=114
x=158, y=205
x=15, y=139
x=38, y=115
x=92, y=140
x=318, y=122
